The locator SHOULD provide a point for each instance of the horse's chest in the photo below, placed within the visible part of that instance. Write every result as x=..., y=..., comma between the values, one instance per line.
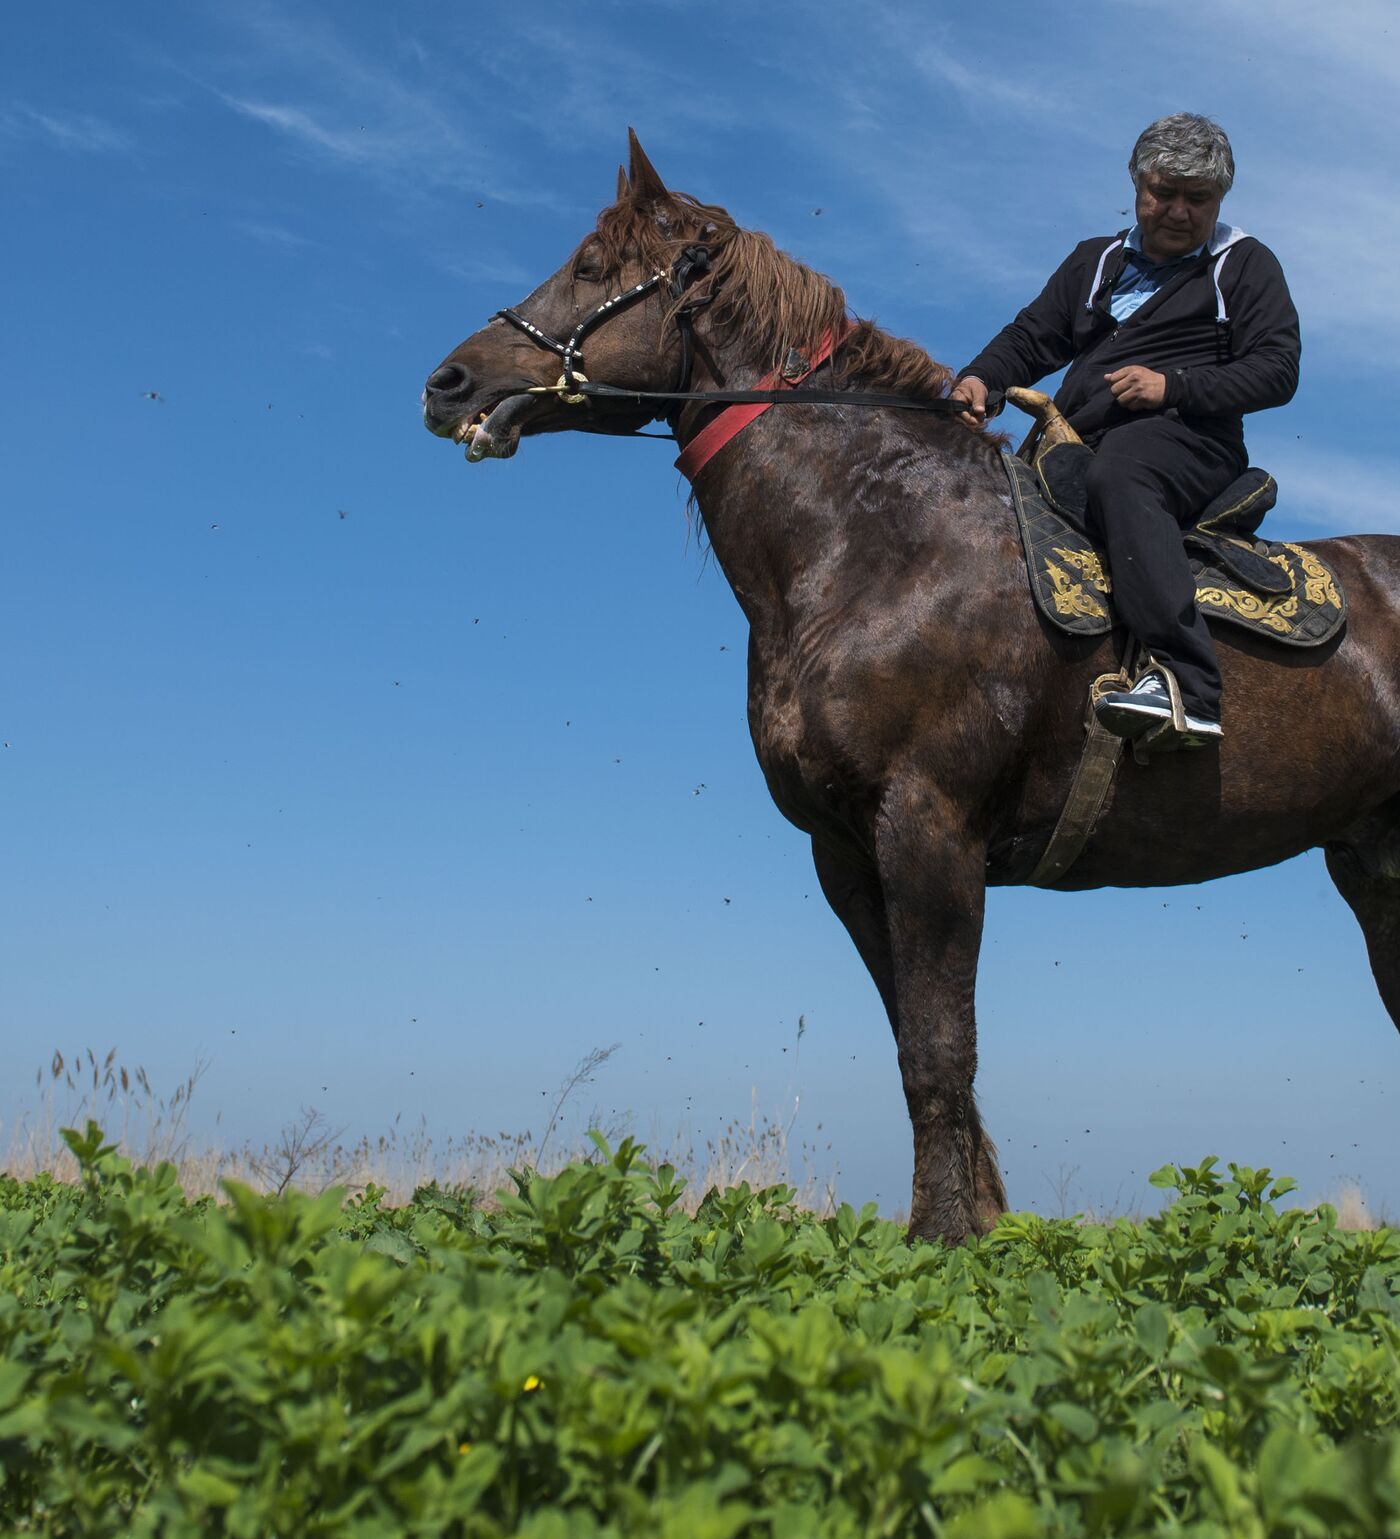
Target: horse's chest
x=777, y=721
x=792, y=741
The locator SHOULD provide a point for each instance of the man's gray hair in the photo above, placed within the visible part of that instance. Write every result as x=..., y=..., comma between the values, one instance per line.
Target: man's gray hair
x=1184, y=145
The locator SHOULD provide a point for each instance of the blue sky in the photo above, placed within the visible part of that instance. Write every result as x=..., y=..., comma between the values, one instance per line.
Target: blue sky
x=343, y=764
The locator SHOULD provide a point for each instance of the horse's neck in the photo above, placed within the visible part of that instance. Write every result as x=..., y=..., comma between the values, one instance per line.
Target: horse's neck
x=766, y=532
x=797, y=518
x=797, y=513
x=765, y=523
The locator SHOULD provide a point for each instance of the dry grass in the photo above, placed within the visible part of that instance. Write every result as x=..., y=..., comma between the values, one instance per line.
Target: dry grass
x=311, y=1155
x=1352, y=1210
x=1067, y=1201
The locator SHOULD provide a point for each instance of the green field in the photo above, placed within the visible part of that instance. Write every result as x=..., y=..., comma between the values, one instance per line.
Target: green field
x=585, y=1358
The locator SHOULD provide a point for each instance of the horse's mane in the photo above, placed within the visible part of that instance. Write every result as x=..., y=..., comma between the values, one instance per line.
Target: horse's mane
x=760, y=293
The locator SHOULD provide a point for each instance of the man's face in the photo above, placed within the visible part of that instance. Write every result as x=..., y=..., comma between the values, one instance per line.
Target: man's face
x=1175, y=214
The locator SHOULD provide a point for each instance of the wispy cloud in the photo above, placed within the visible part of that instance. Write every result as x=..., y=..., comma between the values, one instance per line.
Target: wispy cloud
x=416, y=154
x=300, y=124
x=80, y=131
x=575, y=59
x=1360, y=39
x=938, y=134
x=272, y=234
x=413, y=49
x=485, y=268
x=1339, y=492
x=964, y=170
x=1008, y=87
x=328, y=100
x=1339, y=257
x=972, y=158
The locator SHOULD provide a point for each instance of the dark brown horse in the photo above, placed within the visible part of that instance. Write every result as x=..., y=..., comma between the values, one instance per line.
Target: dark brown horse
x=911, y=711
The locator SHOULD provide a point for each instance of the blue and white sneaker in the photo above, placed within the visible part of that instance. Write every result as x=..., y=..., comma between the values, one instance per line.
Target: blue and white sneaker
x=1146, y=705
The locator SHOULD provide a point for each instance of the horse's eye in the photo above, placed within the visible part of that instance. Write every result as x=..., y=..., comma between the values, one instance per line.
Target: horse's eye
x=588, y=264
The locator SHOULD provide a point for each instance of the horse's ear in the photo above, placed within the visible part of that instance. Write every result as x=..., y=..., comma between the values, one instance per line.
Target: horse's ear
x=622, y=188
x=647, y=185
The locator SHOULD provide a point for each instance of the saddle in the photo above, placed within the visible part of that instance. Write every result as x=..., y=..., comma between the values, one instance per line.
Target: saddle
x=1281, y=591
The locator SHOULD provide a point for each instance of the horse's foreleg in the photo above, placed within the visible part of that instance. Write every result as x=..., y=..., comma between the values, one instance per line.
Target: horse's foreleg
x=932, y=875
x=853, y=891
x=1366, y=869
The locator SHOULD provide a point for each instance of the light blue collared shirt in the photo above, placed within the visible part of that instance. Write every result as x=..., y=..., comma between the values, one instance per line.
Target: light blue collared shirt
x=1142, y=278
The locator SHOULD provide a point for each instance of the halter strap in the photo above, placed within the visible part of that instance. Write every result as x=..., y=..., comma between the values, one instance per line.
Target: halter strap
x=734, y=419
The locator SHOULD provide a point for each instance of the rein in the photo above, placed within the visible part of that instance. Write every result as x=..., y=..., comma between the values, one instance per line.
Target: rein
x=574, y=388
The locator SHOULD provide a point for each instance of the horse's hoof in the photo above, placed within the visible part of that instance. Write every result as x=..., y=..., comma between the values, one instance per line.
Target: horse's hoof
x=931, y=1234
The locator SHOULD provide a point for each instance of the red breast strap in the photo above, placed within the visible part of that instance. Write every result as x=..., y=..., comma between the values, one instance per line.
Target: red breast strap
x=734, y=419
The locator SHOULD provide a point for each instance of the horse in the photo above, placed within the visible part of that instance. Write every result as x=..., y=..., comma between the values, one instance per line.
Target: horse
x=911, y=710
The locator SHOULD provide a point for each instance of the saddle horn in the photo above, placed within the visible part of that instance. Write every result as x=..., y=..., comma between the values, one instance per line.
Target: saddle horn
x=1051, y=425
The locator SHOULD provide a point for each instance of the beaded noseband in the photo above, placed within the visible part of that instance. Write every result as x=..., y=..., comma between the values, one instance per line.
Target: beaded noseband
x=694, y=259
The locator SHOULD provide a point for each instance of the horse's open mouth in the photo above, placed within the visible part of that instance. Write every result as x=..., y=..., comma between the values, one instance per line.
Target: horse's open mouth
x=494, y=431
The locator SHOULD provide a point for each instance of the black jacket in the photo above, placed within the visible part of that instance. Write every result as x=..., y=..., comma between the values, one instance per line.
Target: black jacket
x=1223, y=331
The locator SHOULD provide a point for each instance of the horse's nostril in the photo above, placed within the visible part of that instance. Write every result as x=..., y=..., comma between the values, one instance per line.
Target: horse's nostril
x=450, y=379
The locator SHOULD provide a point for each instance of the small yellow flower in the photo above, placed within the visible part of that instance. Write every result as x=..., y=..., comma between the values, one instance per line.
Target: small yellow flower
x=464, y=1448
x=531, y=1384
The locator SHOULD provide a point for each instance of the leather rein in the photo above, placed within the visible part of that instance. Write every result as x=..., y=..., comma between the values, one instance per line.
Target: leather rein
x=574, y=388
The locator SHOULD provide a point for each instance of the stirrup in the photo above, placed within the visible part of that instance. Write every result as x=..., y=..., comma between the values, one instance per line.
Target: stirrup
x=1167, y=736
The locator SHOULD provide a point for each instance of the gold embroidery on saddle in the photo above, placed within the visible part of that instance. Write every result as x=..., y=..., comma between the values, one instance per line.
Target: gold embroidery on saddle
x=1073, y=589
x=1069, y=596
x=1276, y=614
x=1319, y=587
x=1088, y=565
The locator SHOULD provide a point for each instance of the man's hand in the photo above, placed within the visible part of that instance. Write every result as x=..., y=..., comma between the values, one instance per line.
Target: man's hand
x=973, y=393
x=1137, y=388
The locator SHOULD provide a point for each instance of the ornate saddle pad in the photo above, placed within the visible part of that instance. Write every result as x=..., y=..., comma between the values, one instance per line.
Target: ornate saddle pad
x=1280, y=591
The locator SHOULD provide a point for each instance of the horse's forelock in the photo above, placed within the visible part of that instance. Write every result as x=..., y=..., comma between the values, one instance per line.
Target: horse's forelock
x=652, y=234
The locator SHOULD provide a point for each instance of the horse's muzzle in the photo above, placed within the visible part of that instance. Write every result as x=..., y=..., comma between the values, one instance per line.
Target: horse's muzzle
x=447, y=397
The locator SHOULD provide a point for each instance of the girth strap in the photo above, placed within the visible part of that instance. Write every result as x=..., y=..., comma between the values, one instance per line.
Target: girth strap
x=1088, y=791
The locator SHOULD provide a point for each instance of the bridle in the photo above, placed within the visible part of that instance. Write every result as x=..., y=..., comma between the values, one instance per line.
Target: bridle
x=574, y=388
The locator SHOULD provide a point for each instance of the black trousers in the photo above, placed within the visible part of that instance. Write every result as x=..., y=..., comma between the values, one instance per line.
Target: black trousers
x=1147, y=482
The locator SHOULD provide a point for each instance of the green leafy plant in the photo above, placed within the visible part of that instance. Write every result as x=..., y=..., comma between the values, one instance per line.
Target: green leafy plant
x=587, y=1357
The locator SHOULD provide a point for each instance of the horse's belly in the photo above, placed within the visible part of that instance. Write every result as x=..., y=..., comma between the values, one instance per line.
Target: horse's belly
x=1273, y=789
x=1134, y=861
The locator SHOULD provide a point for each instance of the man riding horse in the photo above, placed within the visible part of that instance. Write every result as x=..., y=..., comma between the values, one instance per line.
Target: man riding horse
x=910, y=708
x=1173, y=329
